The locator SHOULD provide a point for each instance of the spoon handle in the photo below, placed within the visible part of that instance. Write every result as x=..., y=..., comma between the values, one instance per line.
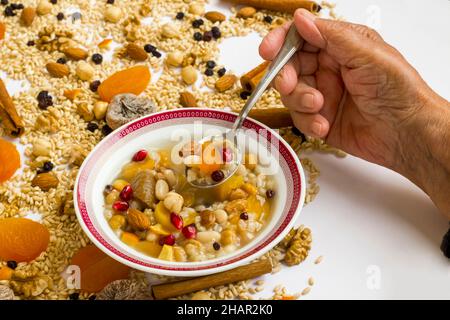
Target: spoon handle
x=292, y=43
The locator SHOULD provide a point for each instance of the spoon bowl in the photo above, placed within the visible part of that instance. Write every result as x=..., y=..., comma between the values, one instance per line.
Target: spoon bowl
x=292, y=43
x=230, y=166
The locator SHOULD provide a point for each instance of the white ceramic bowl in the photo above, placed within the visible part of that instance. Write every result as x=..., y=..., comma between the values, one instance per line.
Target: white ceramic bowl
x=154, y=131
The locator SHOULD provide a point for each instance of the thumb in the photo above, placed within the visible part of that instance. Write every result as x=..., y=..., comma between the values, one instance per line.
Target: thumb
x=346, y=42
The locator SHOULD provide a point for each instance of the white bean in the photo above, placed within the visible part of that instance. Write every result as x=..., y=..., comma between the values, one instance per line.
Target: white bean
x=208, y=236
x=170, y=177
x=161, y=189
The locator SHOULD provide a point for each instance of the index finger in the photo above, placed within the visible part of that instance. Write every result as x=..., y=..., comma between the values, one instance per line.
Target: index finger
x=272, y=42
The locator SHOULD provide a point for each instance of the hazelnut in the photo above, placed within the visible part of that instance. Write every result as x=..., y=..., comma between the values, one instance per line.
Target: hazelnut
x=175, y=59
x=113, y=14
x=197, y=8
x=44, y=7
x=189, y=75
x=84, y=71
x=41, y=147
x=100, y=108
x=169, y=31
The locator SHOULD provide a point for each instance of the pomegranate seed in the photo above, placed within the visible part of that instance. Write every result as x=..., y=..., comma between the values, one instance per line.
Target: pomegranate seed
x=190, y=231
x=176, y=220
x=120, y=206
x=127, y=193
x=140, y=155
x=227, y=155
x=169, y=240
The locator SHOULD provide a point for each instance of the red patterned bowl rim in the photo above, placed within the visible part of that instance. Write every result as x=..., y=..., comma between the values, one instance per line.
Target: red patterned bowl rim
x=285, y=151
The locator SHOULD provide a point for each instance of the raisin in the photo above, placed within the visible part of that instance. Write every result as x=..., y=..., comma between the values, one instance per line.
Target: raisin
x=221, y=72
x=97, y=58
x=198, y=36
x=209, y=72
x=179, y=16
x=92, y=126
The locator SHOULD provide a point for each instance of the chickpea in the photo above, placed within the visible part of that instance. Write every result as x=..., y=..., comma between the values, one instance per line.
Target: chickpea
x=228, y=237
x=112, y=197
x=173, y=202
x=221, y=216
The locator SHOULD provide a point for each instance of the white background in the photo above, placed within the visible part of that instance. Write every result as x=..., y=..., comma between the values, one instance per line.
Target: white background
x=369, y=222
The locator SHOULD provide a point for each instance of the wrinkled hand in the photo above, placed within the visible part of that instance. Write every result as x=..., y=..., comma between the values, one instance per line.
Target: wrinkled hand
x=340, y=57
x=348, y=86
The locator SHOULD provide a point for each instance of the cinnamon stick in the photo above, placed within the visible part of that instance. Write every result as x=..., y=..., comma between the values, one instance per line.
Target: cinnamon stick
x=281, y=5
x=274, y=118
x=251, y=79
x=249, y=271
x=9, y=117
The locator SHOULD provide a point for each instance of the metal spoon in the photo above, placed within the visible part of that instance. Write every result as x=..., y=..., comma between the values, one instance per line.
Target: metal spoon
x=292, y=43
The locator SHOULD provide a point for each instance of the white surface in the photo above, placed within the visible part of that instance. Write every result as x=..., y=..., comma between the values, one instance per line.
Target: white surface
x=367, y=219
x=369, y=222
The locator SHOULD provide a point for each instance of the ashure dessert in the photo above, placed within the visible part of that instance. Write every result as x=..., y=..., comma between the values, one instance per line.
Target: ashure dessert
x=151, y=206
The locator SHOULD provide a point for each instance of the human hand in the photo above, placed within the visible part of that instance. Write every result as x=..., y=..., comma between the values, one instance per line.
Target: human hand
x=339, y=57
x=348, y=86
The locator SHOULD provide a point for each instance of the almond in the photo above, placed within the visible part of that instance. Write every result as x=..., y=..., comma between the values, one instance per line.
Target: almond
x=27, y=16
x=76, y=53
x=246, y=12
x=215, y=16
x=187, y=100
x=45, y=181
x=226, y=82
x=138, y=220
x=57, y=70
x=136, y=52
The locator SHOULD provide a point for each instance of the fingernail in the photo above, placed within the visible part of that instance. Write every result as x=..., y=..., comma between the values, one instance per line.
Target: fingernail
x=308, y=15
x=308, y=101
x=316, y=129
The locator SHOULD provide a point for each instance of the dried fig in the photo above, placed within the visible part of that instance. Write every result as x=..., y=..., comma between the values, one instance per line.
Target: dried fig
x=143, y=186
x=127, y=107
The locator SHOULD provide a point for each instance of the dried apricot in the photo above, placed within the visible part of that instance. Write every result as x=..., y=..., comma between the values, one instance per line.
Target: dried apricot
x=129, y=238
x=2, y=30
x=132, y=80
x=22, y=239
x=211, y=161
x=97, y=269
x=151, y=249
x=9, y=160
